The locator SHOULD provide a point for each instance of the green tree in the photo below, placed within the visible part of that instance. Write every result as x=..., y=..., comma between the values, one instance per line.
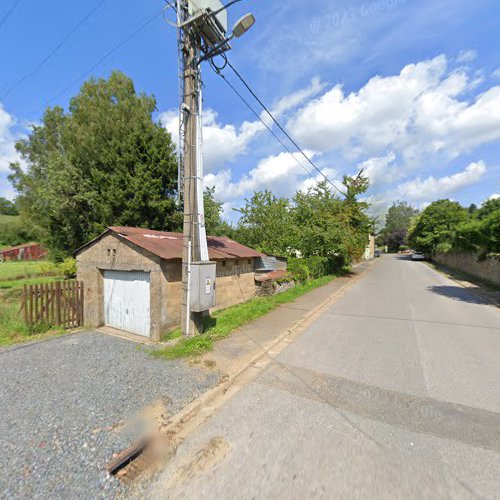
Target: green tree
x=104, y=162
x=330, y=227
x=397, y=223
x=214, y=224
x=13, y=231
x=481, y=232
x=266, y=224
x=437, y=225
x=7, y=207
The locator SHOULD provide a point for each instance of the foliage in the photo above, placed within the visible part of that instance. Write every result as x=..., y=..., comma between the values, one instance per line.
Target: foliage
x=104, y=162
x=68, y=267
x=331, y=227
x=223, y=322
x=397, y=224
x=7, y=207
x=481, y=232
x=316, y=223
x=266, y=224
x=436, y=224
x=445, y=226
x=214, y=224
x=298, y=270
x=14, y=231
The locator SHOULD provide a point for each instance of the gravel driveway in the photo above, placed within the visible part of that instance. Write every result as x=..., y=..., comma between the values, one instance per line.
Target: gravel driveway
x=60, y=401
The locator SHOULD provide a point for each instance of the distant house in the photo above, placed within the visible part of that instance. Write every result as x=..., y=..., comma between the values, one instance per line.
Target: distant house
x=133, y=278
x=28, y=251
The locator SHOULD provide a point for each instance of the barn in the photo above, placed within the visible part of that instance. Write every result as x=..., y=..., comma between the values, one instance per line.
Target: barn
x=133, y=278
x=27, y=251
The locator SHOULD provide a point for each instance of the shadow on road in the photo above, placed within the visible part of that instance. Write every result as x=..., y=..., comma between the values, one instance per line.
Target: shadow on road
x=457, y=293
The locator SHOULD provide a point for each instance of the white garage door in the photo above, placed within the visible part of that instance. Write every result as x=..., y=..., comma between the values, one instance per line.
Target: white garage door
x=126, y=301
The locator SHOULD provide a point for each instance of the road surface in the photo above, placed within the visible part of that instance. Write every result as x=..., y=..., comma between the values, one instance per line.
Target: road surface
x=394, y=392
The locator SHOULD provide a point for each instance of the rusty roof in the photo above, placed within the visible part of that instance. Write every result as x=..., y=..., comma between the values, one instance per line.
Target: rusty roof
x=18, y=247
x=272, y=276
x=169, y=245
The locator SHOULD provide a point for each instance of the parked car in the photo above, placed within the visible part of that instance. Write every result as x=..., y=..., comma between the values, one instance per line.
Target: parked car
x=377, y=253
x=417, y=256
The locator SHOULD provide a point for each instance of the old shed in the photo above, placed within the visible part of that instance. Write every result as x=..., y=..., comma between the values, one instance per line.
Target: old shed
x=133, y=278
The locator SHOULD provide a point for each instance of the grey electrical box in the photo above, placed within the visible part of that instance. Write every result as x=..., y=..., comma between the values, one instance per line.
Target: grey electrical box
x=196, y=6
x=202, y=286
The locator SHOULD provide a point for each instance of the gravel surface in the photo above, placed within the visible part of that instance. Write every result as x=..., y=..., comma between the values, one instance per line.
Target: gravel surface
x=61, y=401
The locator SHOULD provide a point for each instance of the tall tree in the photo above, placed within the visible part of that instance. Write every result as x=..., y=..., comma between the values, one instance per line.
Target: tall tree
x=397, y=223
x=104, y=162
x=214, y=224
x=266, y=224
x=437, y=225
x=328, y=226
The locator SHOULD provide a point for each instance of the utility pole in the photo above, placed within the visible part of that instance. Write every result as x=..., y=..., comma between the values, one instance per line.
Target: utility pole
x=202, y=27
x=194, y=234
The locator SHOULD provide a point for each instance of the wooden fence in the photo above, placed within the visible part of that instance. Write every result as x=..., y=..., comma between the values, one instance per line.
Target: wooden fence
x=53, y=304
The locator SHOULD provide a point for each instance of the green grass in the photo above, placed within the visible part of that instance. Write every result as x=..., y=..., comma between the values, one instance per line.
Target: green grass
x=13, y=276
x=18, y=270
x=223, y=322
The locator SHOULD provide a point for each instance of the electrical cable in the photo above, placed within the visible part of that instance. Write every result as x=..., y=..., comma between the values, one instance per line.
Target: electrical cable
x=146, y=23
x=249, y=106
x=228, y=63
x=9, y=12
x=66, y=37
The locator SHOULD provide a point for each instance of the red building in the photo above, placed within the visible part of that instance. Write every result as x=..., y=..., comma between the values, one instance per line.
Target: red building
x=28, y=251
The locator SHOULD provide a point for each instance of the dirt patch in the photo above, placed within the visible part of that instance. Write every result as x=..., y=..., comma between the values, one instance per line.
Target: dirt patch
x=211, y=454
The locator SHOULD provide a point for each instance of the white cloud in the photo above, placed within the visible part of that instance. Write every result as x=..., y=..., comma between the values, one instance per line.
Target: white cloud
x=494, y=196
x=496, y=73
x=224, y=142
x=7, y=140
x=381, y=170
x=281, y=173
x=418, y=112
x=466, y=56
x=432, y=187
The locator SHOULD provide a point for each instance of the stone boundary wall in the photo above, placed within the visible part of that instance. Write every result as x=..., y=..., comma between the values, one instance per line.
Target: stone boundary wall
x=469, y=263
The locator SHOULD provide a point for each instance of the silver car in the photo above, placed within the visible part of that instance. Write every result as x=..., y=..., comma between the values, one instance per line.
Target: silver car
x=417, y=256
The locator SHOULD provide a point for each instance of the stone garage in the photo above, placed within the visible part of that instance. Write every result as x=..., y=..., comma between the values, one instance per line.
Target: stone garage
x=133, y=278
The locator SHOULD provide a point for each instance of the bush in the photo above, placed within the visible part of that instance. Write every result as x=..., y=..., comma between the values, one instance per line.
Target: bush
x=68, y=268
x=299, y=270
x=403, y=248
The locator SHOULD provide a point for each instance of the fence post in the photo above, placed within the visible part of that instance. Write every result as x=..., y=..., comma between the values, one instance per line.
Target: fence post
x=58, y=302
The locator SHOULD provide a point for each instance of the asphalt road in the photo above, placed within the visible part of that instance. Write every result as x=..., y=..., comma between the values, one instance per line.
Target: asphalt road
x=394, y=392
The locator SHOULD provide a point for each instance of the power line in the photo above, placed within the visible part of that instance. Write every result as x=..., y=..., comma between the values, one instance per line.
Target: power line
x=120, y=44
x=280, y=127
x=66, y=37
x=249, y=106
x=9, y=12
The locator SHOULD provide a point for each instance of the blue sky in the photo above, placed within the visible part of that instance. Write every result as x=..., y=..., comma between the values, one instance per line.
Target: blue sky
x=409, y=90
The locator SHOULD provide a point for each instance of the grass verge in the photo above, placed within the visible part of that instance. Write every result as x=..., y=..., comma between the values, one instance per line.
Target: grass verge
x=223, y=322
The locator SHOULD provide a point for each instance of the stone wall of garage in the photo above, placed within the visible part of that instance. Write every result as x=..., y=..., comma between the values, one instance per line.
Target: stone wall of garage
x=470, y=263
x=235, y=281
x=234, y=284
x=113, y=253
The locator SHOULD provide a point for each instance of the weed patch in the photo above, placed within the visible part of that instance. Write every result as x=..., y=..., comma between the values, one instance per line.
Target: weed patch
x=223, y=322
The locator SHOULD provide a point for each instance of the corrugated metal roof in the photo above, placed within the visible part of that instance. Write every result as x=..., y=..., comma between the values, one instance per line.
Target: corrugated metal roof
x=169, y=245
